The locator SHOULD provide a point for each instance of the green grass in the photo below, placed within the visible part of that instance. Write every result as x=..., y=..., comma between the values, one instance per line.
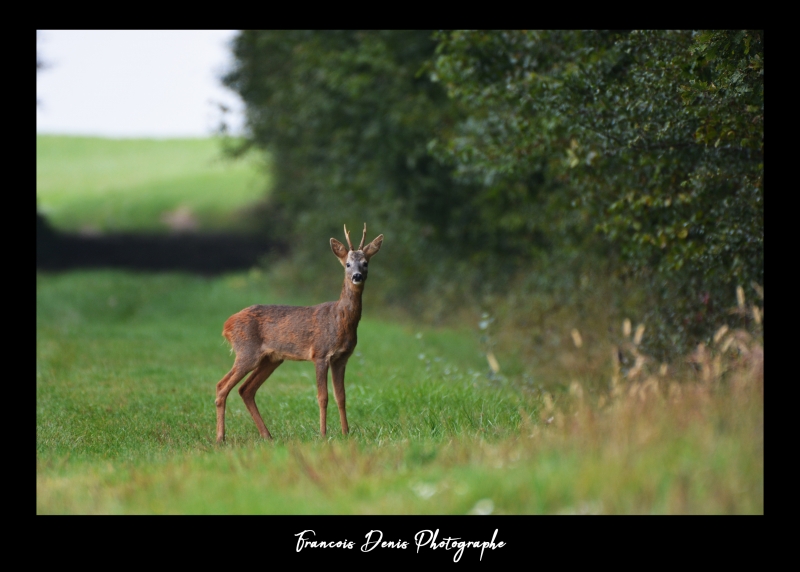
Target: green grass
x=113, y=185
x=125, y=375
x=126, y=368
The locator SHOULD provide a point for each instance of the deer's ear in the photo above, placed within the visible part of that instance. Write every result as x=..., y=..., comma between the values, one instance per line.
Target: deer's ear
x=339, y=250
x=373, y=247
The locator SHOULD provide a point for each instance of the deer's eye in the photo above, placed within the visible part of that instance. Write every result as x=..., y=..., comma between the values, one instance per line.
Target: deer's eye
x=348, y=265
x=365, y=265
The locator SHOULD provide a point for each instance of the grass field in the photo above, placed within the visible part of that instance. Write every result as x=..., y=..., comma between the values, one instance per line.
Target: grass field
x=126, y=366
x=126, y=369
x=111, y=185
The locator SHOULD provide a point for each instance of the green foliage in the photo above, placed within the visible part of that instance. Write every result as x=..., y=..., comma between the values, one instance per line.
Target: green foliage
x=478, y=152
x=348, y=118
x=657, y=137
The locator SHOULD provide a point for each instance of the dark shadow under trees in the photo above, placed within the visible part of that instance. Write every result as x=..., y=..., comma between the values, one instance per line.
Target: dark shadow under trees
x=201, y=253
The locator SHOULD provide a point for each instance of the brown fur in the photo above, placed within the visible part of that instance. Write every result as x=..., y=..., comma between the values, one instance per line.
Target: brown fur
x=263, y=337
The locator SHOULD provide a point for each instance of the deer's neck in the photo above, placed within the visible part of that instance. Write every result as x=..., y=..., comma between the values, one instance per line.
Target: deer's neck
x=350, y=304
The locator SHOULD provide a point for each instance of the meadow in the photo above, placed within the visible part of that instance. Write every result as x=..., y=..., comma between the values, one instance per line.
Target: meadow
x=92, y=184
x=126, y=366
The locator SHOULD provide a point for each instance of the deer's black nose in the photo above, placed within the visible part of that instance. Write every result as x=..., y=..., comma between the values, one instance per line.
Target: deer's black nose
x=357, y=277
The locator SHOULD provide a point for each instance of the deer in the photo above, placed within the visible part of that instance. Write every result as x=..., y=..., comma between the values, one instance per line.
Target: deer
x=264, y=336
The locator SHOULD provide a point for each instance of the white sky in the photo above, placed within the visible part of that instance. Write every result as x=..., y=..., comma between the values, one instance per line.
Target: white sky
x=154, y=83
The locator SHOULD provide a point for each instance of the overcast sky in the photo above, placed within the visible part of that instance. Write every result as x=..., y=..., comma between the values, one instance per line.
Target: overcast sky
x=134, y=83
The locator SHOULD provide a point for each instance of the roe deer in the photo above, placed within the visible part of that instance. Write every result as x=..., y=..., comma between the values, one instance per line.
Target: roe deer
x=264, y=336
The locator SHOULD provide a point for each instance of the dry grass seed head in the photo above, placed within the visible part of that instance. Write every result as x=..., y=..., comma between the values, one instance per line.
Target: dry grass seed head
x=727, y=344
x=576, y=338
x=637, y=338
x=634, y=372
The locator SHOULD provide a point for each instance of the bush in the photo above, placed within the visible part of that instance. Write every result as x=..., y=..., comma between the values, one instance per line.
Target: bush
x=478, y=154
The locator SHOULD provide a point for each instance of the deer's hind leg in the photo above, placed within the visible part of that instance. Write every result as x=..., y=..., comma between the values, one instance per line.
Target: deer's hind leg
x=224, y=386
x=249, y=388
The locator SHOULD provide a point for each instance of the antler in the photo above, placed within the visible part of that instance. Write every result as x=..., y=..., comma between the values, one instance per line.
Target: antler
x=347, y=236
x=363, y=236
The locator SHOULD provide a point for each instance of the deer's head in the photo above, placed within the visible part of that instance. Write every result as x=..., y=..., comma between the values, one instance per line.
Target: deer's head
x=356, y=261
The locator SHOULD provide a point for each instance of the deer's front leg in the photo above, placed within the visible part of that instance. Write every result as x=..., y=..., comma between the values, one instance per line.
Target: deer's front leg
x=337, y=376
x=322, y=394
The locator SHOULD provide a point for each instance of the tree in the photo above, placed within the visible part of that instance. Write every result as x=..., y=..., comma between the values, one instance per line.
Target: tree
x=482, y=151
x=347, y=117
x=659, y=134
